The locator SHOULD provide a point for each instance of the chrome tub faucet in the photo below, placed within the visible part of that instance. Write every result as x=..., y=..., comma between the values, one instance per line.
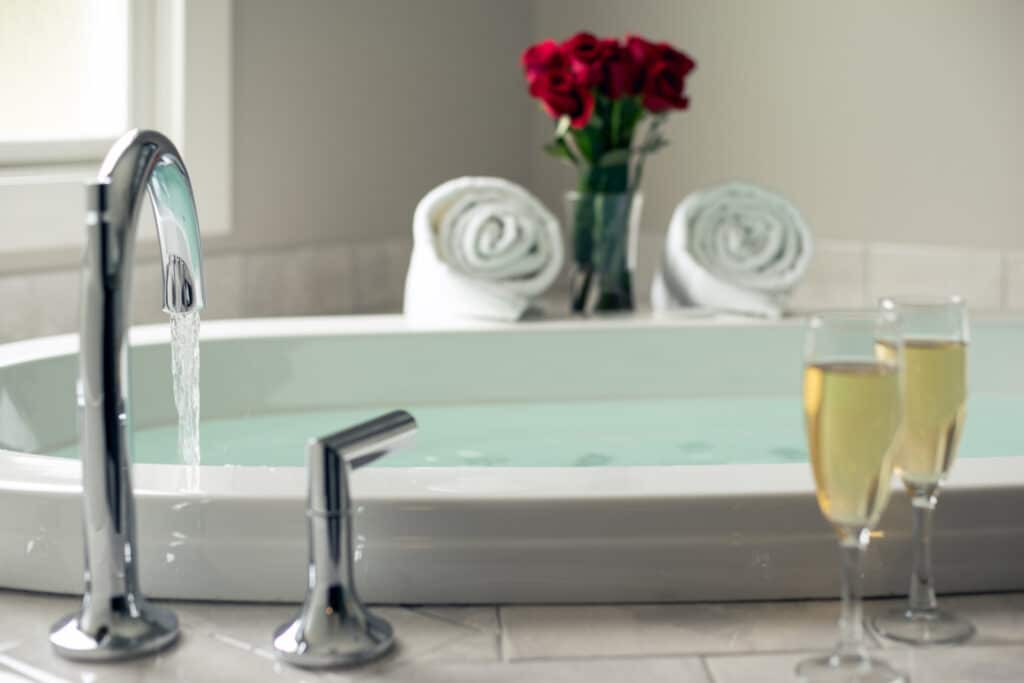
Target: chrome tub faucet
x=116, y=621
x=334, y=628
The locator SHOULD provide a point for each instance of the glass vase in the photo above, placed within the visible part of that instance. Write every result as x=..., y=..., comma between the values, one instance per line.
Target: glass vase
x=603, y=231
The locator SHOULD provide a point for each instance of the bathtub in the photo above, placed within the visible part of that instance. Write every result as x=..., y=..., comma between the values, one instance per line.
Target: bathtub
x=633, y=459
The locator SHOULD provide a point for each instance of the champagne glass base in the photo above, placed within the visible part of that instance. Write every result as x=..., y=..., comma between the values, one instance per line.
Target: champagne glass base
x=923, y=627
x=837, y=668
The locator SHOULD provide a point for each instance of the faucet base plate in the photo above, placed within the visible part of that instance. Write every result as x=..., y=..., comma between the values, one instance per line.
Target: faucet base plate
x=336, y=642
x=129, y=632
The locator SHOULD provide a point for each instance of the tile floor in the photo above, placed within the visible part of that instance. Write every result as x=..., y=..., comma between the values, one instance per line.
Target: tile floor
x=682, y=643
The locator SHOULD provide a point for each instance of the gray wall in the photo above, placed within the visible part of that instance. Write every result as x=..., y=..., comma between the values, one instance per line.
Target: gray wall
x=884, y=121
x=346, y=114
x=895, y=126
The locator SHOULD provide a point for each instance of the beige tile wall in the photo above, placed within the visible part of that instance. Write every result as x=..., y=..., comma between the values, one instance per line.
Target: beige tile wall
x=369, y=277
x=847, y=274
x=332, y=279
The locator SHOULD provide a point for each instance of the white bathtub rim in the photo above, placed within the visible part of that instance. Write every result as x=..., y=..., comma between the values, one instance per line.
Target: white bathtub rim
x=62, y=476
x=13, y=353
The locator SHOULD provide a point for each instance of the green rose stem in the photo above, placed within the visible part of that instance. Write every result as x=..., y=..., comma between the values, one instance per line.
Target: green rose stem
x=602, y=212
x=600, y=237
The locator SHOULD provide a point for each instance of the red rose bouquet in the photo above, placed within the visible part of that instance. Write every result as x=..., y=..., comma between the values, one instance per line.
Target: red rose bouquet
x=600, y=91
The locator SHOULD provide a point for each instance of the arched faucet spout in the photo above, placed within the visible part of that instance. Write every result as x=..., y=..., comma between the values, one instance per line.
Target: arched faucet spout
x=116, y=621
x=146, y=160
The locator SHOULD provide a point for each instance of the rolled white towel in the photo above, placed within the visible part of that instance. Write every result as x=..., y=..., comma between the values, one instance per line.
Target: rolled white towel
x=482, y=248
x=735, y=247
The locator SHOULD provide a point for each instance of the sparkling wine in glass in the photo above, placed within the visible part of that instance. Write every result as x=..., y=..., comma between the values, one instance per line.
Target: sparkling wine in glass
x=935, y=337
x=853, y=408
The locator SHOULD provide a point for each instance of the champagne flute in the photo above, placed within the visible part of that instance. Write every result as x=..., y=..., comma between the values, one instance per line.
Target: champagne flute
x=935, y=336
x=853, y=408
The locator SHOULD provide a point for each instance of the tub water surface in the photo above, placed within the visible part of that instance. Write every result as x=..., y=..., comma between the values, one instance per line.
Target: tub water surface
x=713, y=430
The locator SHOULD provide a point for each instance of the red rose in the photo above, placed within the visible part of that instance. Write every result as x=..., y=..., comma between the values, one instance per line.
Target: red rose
x=645, y=53
x=604, y=64
x=618, y=71
x=663, y=88
x=638, y=49
x=661, y=73
x=542, y=57
x=562, y=95
x=586, y=54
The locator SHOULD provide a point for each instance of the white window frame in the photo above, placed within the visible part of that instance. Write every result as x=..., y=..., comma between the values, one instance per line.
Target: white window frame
x=179, y=83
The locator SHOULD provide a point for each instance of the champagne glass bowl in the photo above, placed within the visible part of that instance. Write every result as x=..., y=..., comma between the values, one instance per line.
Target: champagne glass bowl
x=853, y=406
x=935, y=340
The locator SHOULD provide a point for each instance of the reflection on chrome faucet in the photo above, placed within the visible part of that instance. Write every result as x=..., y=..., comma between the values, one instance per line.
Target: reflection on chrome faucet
x=116, y=621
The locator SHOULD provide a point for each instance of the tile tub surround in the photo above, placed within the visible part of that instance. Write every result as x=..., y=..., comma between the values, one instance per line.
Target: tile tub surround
x=681, y=643
x=368, y=277
x=850, y=274
x=334, y=278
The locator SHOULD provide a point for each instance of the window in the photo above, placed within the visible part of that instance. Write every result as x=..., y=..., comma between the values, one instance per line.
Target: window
x=73, y=63
x=79, y=73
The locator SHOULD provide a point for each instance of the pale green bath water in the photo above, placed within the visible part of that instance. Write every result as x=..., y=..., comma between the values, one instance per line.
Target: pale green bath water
x=692, y=431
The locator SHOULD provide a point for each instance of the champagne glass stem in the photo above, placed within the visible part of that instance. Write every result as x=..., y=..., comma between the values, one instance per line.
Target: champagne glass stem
x=922, y=586
x=852, y=545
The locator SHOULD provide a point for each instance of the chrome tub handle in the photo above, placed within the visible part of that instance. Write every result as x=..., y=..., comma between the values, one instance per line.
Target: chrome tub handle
x=334, y=628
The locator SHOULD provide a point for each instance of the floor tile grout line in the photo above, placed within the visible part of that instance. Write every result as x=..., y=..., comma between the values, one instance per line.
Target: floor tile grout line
x=636, y=655
x=880, y=651
x=708, y=655
x=501, y=634
x=403, y=662
x=425, y=611
x=708, y=673
x=29, y=672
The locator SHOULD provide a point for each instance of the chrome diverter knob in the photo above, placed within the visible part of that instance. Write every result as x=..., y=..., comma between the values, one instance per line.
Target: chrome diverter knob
x=333, y=627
